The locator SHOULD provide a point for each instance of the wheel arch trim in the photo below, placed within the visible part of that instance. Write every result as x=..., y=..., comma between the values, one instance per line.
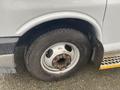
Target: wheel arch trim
x=60, y=15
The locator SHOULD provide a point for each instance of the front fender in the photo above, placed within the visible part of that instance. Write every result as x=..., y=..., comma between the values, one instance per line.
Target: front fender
x=60, y=15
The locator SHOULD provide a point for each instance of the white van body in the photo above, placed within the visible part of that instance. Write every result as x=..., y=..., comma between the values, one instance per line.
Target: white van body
x=18, y=16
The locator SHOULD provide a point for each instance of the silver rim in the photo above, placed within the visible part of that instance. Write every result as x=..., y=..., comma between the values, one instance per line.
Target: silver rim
x=60, y=58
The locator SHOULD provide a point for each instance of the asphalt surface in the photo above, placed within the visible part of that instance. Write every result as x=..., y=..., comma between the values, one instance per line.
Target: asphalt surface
x=89, y=78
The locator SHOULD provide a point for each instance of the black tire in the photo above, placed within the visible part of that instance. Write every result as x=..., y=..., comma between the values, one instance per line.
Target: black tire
x=39, y=45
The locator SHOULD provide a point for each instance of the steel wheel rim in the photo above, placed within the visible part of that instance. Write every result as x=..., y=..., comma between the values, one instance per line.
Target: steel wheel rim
x=60, y=58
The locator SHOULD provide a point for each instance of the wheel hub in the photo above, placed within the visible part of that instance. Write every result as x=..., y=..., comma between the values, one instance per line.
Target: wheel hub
x=60, y=58
x=61, y=61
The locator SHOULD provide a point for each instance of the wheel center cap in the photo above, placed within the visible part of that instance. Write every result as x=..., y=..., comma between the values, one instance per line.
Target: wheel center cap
x=61, y=61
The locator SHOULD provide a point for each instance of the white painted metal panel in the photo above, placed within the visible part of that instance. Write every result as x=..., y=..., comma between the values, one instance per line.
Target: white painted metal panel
x=15, y=13
x=111, y=27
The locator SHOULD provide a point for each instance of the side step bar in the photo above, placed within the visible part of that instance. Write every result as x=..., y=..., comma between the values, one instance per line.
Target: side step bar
x=111, y=60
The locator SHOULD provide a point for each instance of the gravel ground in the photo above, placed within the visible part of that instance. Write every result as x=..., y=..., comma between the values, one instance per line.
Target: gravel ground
x=87, y=79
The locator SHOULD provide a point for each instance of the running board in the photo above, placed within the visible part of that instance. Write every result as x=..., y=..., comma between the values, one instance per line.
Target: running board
x=111, y=60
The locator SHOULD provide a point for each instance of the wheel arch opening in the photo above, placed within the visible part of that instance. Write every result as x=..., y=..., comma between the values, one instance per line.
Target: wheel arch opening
x=26, y=39
x=82, y=25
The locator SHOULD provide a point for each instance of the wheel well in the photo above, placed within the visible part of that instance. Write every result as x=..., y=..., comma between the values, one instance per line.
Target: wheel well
x=81, y=25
